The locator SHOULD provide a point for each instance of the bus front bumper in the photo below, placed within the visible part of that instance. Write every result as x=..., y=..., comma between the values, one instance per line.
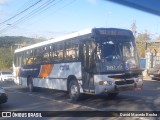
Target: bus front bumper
x=112, y=86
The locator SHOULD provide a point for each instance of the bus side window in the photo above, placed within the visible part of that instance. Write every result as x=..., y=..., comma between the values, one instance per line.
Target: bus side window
x=50, y=52
x=46, y=54
x=18, y=60
x=30, y=57
x=71, y=51
x=60, y=52
x=67, y=48
x=27, y=57
x=76, y=51
x=24, y=58
x=38, y=56
x=53, y=53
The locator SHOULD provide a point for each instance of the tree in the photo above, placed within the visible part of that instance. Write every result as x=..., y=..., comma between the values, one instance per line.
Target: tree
x=158, y=38
x=143, y=37
x=141, y=41
x=7, y=46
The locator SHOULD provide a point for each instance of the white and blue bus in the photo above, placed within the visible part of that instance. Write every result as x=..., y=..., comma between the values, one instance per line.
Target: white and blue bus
x=92, y=61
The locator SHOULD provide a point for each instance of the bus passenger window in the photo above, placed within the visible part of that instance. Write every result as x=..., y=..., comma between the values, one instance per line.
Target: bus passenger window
x=38, y=56
x=57, y=53
x=46, y=54
x=72, y=51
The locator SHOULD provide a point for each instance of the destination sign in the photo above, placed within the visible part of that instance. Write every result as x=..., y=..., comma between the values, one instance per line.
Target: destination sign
x=111, y=32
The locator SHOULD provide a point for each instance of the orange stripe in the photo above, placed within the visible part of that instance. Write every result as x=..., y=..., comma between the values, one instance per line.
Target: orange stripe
x=46, y=70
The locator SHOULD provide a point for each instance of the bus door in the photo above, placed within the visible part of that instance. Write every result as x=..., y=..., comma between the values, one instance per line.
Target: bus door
x=87, y=63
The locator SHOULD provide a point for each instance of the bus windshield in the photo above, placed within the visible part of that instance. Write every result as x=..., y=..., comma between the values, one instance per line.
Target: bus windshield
x=108, y=50
x=116, y=55
x=129, y=54
x=128, y=49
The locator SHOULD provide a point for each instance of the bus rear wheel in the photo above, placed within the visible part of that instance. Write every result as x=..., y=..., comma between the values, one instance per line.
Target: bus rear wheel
x=30, y=85
x=74, y=90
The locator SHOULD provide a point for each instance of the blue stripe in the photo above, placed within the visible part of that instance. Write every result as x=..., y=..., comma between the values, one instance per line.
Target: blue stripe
x=30, y=70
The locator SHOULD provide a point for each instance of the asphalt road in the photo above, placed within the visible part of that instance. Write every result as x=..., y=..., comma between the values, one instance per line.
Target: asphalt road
x=19, y=99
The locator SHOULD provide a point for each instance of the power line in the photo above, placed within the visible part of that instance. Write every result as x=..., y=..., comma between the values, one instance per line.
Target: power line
x=57, y=10
x=21, y=12
x=37, y=11
x=33, y=12
x=43, y=7
x=26, y=4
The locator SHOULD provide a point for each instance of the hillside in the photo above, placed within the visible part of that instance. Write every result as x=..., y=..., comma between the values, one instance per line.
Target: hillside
x=8, y=41
x=7, y=46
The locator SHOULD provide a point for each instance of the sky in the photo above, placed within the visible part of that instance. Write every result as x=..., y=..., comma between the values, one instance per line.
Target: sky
x=66, y=16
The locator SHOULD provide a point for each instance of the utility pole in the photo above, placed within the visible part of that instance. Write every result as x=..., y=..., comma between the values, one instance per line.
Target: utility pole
x=134, y=28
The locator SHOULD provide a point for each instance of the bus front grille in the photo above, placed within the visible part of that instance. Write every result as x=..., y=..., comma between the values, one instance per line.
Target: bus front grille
x=124, y=82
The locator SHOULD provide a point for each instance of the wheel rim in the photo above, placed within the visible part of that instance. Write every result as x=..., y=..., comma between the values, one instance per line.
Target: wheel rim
x=30, y=87
x=74, y=90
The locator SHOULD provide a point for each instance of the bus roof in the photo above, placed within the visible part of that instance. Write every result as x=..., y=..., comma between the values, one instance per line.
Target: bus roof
x=95, y=31
x=65, y=37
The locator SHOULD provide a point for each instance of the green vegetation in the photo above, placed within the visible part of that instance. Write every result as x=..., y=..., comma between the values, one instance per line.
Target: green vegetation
x=142, y=41
x=9, y=43
x=7, y=46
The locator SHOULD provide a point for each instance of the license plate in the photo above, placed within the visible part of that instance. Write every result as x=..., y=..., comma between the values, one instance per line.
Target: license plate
x=125, y=88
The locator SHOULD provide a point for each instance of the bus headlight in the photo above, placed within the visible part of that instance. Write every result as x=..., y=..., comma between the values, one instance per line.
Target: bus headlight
x=105, y=82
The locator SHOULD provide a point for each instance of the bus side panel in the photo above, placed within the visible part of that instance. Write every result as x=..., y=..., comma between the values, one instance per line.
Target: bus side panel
x=29, y=71
x=23, y=81
x=53, y=76
x=63, y=70
x=59, y=84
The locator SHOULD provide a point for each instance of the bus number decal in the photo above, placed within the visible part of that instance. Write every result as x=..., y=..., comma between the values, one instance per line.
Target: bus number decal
x=64, y=67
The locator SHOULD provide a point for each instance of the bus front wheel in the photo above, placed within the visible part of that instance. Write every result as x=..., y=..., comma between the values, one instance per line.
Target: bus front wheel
x=74, y=90
x=30, y=85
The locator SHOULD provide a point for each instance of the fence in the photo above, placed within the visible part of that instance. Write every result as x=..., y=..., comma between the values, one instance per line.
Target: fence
x=152, y=59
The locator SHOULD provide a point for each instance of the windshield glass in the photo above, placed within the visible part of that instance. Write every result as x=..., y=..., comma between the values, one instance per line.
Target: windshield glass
x=129, y=55
x=108, y=50
x=128, y=49
x=116, y=54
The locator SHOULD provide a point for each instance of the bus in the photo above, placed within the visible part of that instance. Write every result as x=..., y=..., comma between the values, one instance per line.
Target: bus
x=91, y=61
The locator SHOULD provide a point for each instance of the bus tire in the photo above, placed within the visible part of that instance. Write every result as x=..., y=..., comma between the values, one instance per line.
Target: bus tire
x=112, y=95
x=74, y=90
x=30, y=85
